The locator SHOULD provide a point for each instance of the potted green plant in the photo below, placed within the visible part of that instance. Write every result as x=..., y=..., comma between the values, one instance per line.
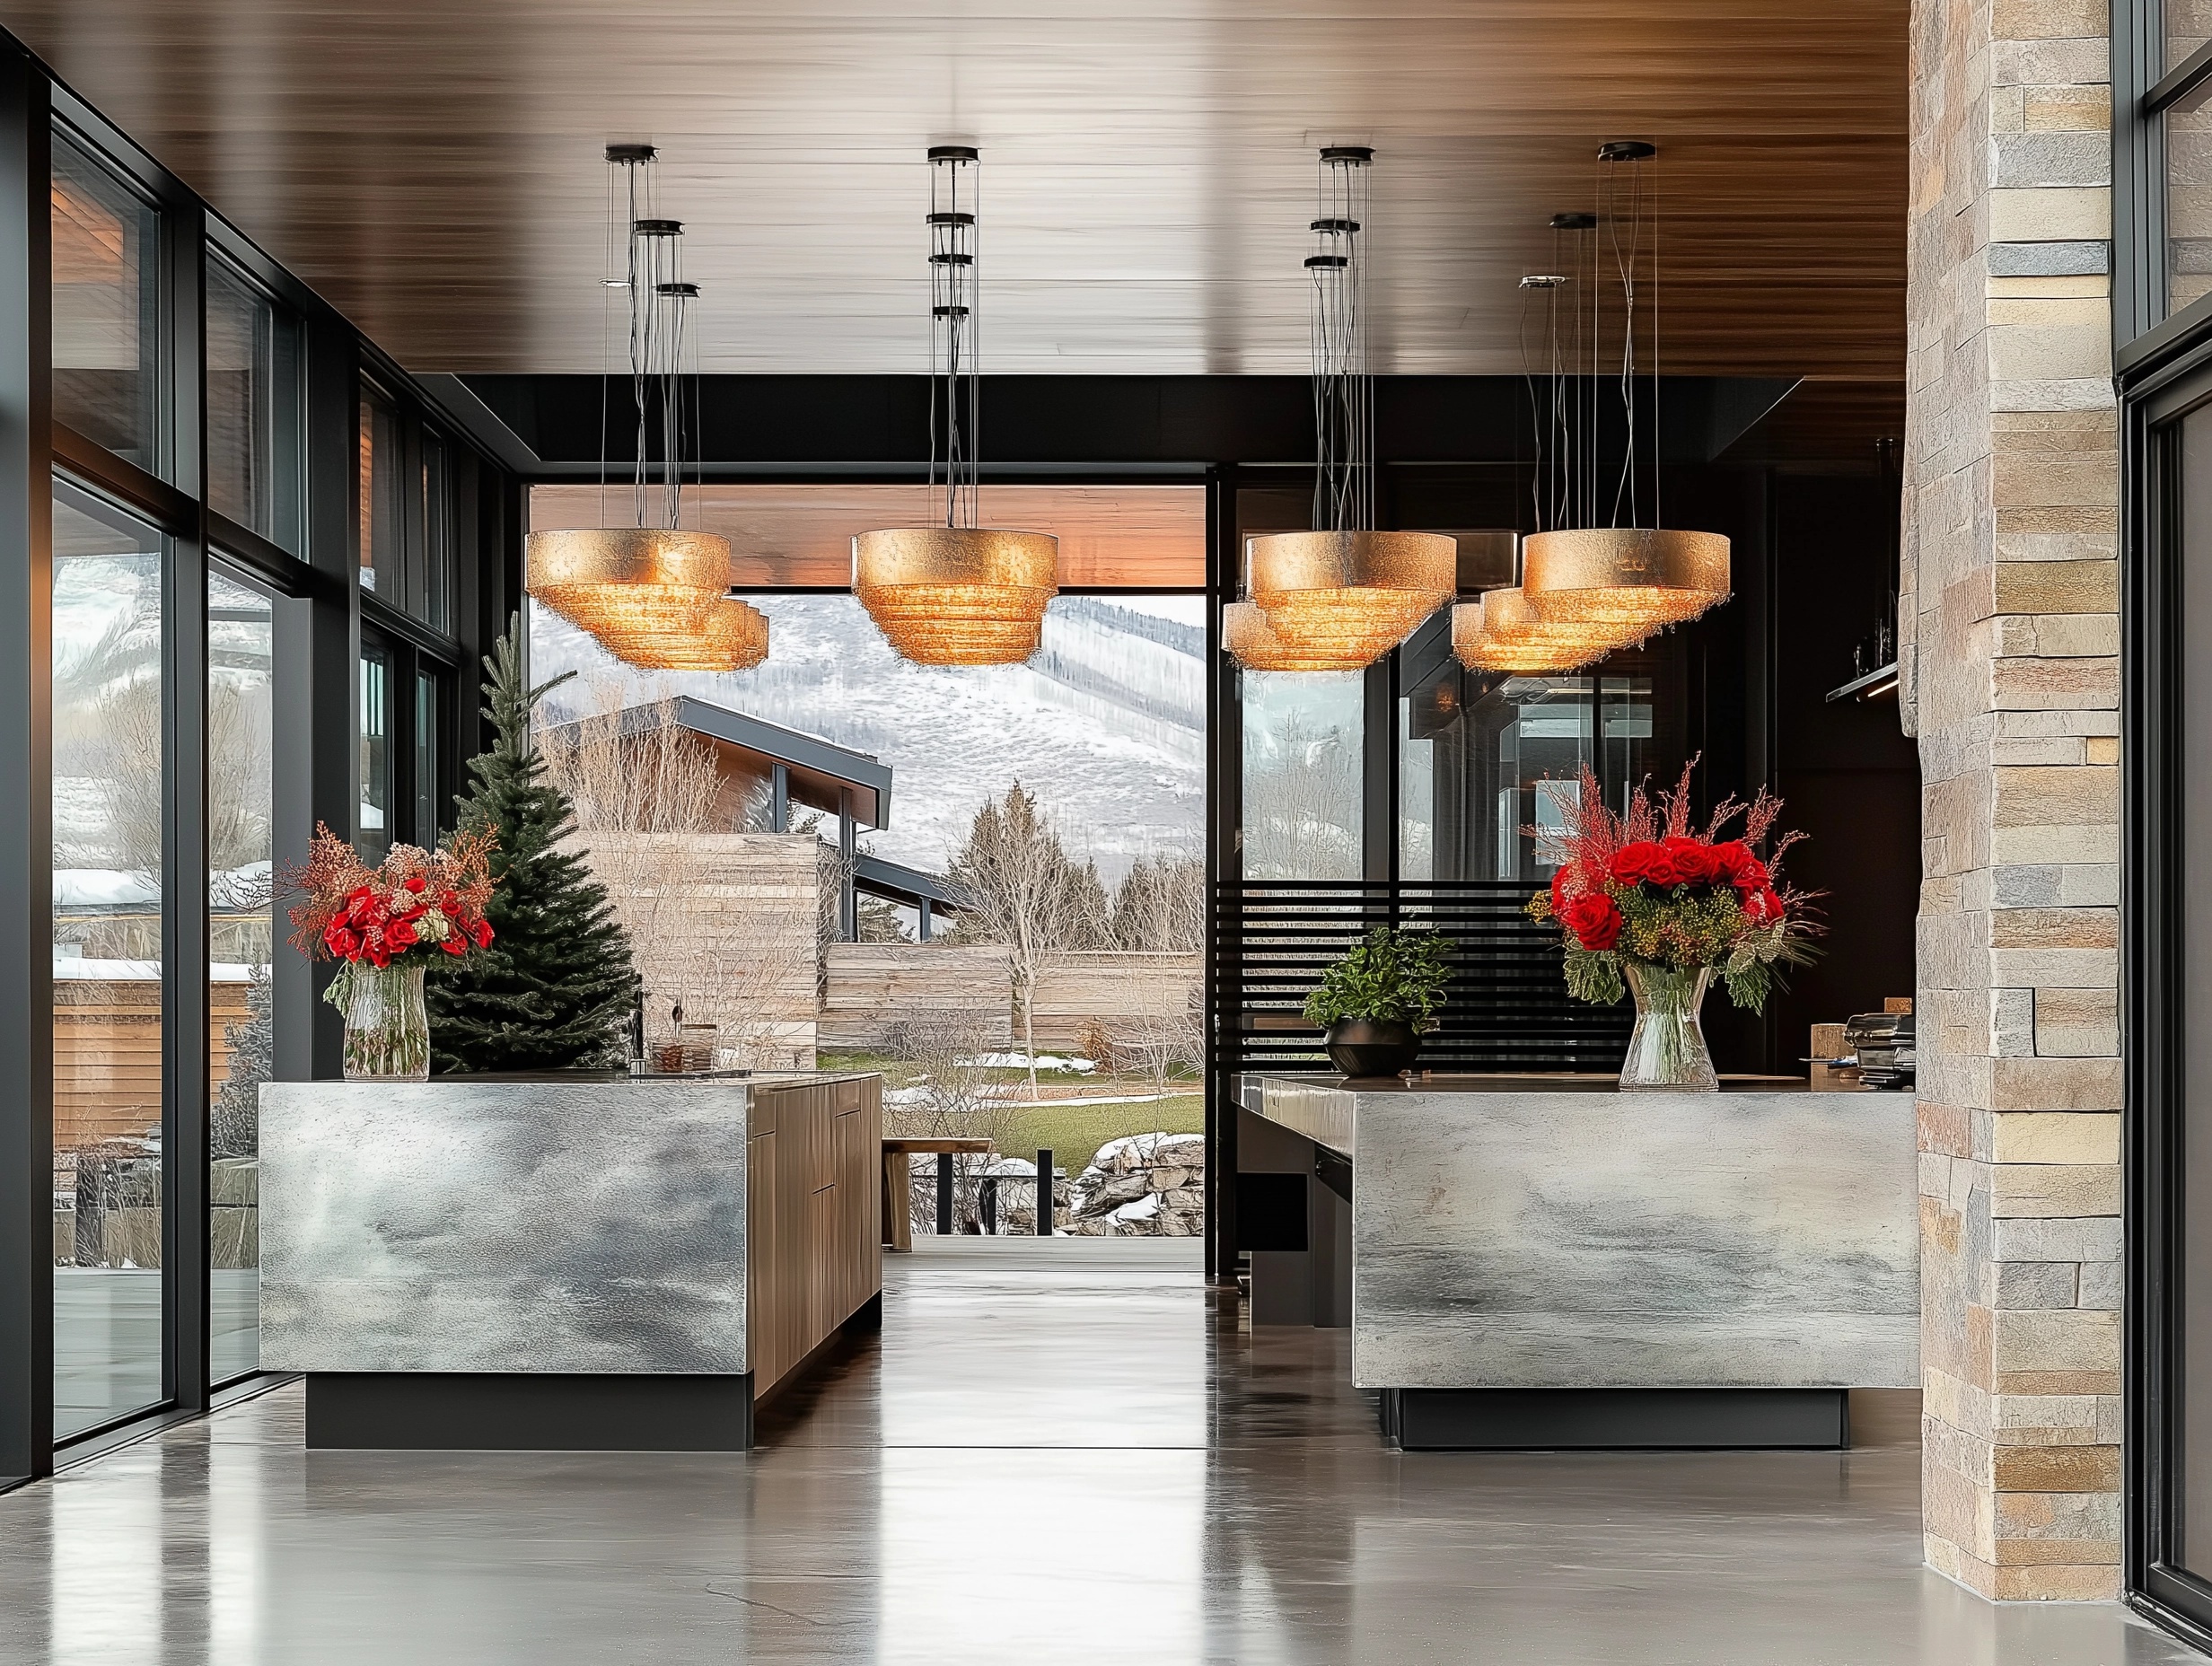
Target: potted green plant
x=1378, y=1000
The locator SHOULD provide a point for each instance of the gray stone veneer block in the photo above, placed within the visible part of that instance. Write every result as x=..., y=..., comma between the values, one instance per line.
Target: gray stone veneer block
x=2050, y=260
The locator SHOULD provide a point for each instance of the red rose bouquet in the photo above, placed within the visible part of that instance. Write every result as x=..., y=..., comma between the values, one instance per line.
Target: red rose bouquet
x=417, y=904
x=1641, y=892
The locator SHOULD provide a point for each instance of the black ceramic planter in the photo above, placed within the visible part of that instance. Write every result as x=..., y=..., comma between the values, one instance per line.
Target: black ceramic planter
x=1361, y=1046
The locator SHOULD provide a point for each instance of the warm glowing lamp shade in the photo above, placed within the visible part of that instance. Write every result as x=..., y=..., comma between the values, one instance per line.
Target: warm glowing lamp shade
x=633, y=581
x=1502, y=633
x=733, y=638
x=1329, y=593
x=948, y=595
x=1249, y=637
x=1632, y=579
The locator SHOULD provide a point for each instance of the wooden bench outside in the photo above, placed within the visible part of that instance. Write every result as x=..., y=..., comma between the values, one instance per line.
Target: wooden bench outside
x=899, y=1185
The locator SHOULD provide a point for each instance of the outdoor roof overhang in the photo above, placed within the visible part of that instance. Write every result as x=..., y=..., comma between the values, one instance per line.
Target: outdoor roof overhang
x=818, y=772
x=900, y=883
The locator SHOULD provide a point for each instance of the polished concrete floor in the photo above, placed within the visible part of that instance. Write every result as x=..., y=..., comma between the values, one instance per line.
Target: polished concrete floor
x=1057, y=1452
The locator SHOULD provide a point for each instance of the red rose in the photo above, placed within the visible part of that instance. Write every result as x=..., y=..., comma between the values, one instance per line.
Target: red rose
x=1762, y=906
x=454, y=943
x=401, y=934
x=416, y=883
x=1595, y=921
x=1730, y=859
x=482, y=933
x=1634, y=864
x=1753, y=878
x=343, y=943
x=1692, y=859
x=449, y=903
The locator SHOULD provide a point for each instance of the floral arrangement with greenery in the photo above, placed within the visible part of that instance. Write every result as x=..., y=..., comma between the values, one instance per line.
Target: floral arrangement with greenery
x=1642, y=887
x=414, y=905
x=1392, y=977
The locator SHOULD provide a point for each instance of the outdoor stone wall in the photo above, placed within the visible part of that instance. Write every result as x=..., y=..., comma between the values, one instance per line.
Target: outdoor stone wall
x=2011, y=681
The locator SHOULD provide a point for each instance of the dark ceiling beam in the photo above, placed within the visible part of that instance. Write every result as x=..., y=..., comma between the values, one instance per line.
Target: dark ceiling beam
x=785, y=424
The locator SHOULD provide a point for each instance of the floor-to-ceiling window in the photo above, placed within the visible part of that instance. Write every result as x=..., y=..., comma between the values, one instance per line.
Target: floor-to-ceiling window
x=110, y=617
x=243, y=938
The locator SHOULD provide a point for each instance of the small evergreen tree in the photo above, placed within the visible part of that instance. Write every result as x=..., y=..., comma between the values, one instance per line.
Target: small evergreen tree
x=555, y=988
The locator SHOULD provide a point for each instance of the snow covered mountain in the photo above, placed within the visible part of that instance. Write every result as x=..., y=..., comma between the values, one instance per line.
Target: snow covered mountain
x=1106, y=724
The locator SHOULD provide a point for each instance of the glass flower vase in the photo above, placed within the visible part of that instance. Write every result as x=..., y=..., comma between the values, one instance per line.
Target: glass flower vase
x=387, y=1028
x=1666, y=1051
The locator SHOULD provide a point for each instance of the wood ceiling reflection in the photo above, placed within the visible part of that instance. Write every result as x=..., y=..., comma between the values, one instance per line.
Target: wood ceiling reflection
x=800, y=536
x=435, y=169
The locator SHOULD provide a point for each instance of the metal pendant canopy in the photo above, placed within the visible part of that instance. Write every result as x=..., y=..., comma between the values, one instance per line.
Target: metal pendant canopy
x=653, y=595
x=1343, y=589
x=959, y=593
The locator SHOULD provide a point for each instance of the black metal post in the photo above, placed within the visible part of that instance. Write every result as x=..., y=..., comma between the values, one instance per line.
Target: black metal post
x=1045, y=1199
x=945, y=1193
x=26, y=777
x=989, y=1188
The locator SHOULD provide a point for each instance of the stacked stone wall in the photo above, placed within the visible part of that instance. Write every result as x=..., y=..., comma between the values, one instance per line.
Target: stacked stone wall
x=2011, y=635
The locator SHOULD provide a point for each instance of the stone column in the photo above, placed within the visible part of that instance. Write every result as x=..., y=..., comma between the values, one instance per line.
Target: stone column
x=2011, y=681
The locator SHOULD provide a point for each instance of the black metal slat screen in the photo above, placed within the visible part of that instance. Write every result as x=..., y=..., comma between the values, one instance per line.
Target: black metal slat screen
x=1508, y=1008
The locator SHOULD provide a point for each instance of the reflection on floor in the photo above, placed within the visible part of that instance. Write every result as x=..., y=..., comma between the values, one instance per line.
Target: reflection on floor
x=108, y=1338
x=1057, y=1451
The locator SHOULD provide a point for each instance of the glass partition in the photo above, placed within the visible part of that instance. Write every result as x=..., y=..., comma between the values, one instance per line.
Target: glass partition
x=254, y=407
x=107, y=307
x=241, y=935
x=1486, y=759
x=109, y=1103
x=1303, y=749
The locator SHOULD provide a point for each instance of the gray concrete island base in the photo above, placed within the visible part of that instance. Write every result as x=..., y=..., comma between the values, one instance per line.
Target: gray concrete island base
x=1516, y=1235
x=585, y=1228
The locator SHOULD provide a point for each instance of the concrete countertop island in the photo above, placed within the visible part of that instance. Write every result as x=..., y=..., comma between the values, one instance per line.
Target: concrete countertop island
x=562, y=1262
x=1548, y=1261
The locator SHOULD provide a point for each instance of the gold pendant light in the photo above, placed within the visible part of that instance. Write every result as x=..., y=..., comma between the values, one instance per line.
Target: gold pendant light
x=1624, y=577
x=632, y=580
x=959, y=593
x=1344, y=595
x=1247, y=634
x=1369, y=589
x=1502, y=633
x=1592, y=582
x=733, y=637
x=655, y=597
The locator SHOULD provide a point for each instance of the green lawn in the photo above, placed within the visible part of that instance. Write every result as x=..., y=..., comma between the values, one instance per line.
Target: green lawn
x=1072, y=1133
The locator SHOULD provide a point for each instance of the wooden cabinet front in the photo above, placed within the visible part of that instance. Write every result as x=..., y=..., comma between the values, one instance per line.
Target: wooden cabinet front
x=813, y=1236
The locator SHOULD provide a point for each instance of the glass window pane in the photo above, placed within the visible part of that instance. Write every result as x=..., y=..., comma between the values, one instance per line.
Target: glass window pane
x=253, y=406
x=241, y=813
x=437, y=533
x=426, y=795
x=383, y=506
x=376, y=752
x=1303, y=742
x=107, y=914
x=2188, y=198
x=2192, y=1409
x=1486, y=759
x=107, y=308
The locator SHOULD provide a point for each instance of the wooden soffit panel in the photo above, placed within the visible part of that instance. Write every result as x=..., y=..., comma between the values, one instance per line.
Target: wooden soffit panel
x=1150, y=538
